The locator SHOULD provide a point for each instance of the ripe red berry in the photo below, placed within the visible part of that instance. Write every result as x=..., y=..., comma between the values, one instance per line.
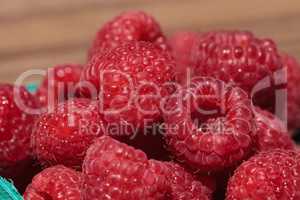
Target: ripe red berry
x=241, y=58
x=55, y=183
x=269, y=175
x=129, y=26
x=131, y=80
x=181, y=184
x=271, y=132
x=182, y=45
x=209, y=125
x=62, y=136
x=293, y=96
x=59, y=84
x=113, y=170
x=15, y=125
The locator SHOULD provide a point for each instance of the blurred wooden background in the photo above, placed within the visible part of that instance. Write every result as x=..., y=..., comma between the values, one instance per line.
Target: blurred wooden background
x=38, y=34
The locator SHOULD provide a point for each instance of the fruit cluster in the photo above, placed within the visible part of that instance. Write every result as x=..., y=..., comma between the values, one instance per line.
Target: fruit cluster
x=196, y=116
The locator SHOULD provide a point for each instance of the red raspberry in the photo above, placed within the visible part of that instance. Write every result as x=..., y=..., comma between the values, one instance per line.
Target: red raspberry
x=242, y=58
x=125, y=77
x=129, y=26
x=293, y=71
x=181, y=184
x=62, y=136
x=209, y=125
x=271, y=132
x=58, y=84
x=182, y=45
x=113, y=170
x=269, y=175
x=55, y=183
x=16, y=125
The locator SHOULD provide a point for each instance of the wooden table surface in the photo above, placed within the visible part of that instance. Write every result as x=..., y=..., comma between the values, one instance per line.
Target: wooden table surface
x=39, y=34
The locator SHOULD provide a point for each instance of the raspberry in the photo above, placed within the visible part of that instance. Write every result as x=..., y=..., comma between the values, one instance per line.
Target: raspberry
x=55, y=183
x=182, y=45
x=62, y=136
x=129, y=26
x=271, y=174
x=293, y=106
x=181, y=184
x=58, y=84
x=126, y=77
x=113, y=170
x=271, y=132
x=242, y=58
x=16, y=125
x=209, y=125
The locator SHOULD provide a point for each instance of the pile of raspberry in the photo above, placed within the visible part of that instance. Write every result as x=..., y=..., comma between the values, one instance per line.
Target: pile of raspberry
x=194, y=116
